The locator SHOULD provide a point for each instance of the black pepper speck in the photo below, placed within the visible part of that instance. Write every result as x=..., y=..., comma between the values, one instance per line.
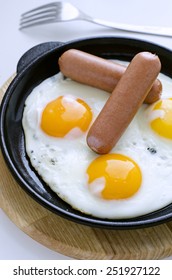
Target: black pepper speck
x=152, y=150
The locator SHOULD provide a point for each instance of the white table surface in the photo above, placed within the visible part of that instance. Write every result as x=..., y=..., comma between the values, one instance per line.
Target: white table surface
x=14, y=244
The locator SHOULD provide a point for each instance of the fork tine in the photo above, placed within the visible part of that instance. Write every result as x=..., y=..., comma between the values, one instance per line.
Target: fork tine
x=36, y=19
x=40, y=15
x=50, y=5
x=36, y=15
x=34, y=23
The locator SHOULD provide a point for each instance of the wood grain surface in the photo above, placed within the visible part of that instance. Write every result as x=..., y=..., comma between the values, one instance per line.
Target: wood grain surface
x=74, y=240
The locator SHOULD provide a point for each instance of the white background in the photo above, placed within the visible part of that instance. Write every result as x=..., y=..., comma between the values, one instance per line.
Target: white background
x=14, y=244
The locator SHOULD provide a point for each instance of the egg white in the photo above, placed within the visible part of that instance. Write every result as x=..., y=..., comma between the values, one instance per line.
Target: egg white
x=62, y=162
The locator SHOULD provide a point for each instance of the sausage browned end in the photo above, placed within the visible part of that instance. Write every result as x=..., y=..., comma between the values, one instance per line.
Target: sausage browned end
x=124, y=102
x=155, y=92
x=98, y=72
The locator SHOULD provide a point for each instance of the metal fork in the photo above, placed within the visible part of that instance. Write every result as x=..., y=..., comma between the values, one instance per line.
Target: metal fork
x=63, y=11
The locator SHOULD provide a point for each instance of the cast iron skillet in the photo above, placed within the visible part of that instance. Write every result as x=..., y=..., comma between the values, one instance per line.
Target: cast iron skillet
x=36, y=65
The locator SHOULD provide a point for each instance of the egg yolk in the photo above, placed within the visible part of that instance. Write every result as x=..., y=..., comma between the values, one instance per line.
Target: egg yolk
x=163, y=123
x=63, y=114
x=122, y=175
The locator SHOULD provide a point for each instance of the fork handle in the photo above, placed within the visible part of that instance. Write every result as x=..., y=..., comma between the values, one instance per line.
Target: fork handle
x=154, y=30
x=34, y=53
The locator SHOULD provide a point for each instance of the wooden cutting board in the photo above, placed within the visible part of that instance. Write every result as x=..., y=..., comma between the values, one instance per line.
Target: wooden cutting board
x=74, y=240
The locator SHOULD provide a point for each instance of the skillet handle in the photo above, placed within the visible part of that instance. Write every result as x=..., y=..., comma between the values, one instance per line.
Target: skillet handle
x=35, y=52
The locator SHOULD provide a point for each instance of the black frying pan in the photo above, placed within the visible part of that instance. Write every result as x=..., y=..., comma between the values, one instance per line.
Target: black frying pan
x=37, y=64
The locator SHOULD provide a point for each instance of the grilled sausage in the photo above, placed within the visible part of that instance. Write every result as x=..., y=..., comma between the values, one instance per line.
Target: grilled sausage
x=98, y=72
x=124, y=102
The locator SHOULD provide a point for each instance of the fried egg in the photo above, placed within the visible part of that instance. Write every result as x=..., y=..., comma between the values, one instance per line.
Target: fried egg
x=134, y=179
